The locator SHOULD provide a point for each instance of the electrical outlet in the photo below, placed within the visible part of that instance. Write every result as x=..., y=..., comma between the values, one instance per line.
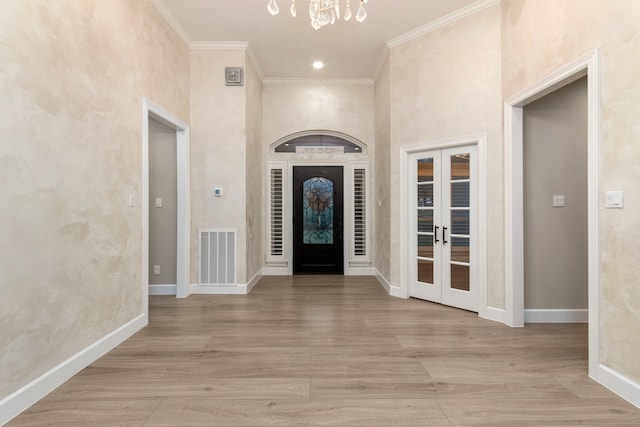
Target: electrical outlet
x=156, y=269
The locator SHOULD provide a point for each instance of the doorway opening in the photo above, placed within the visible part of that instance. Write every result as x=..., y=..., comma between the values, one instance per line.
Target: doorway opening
x=154, y=112
x=555, y=206
x=514, y=215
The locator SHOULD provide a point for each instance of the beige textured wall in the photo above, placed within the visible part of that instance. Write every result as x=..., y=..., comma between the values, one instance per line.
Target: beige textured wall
x=218, y=152
x=540, y=36
x=254, y=171
x=293, y=108
x=382, y=179
x=72, y=78
x=447, y=84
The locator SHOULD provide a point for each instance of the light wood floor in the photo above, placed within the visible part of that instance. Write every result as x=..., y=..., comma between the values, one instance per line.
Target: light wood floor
x=318, y=350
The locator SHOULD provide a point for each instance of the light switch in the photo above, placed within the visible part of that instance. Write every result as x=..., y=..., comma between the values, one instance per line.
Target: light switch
x=158, y=202
x=156, y=269
x=614, y=200
x=132, y=200
x=558, y=201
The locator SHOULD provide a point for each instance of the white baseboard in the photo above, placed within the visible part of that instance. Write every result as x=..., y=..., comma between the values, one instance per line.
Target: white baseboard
x=383, y=281
x=360, y=271
x=23, y=398
x=162, y=289
x=494, y=313
x=391, y=289
x=238, y=289
x=254, y=280
x=621, y=385
x=556, y=316
x=396, y=291
x=275, y=271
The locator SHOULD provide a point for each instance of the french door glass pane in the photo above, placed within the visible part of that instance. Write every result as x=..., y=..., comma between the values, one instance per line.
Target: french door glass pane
x=460, y=166
x=317, y=209
x=425, y=221
x=425, y=195
x=425, y=246
x=460, y=249
x=460, y=194
x=425, y=271
x=425, y=170
x=460, y=222
x=460, y=277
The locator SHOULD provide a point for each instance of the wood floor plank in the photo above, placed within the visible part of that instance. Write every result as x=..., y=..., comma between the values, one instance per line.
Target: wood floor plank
x=317, y=412
x=424, y=387
x=540, y=412
x=332, y=350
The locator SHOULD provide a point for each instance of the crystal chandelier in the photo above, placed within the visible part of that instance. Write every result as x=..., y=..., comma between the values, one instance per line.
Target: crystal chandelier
x=323, y=12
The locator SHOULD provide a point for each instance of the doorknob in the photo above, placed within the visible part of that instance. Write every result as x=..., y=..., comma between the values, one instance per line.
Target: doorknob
x=444, y=238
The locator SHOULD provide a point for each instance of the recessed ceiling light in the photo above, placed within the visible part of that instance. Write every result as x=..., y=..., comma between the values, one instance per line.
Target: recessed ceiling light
x=318, y=65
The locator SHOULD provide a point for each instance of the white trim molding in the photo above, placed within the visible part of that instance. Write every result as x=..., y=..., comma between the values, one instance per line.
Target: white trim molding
x=620, y=384
x=493, y=313
x=254, y=280
x=556, y=316
x=18, y=401
x=514, y=214
x=238, y=289
x=151, y=110
x=172, y=21
x=317, y=82
x=436, y=24
x=276, y=271
x=359, y=271
x=205, y=45
x=383, y=281
x=162, y=289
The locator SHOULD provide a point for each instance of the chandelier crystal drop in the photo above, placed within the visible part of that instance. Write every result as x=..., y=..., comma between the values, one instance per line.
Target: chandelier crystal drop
x=323, y=12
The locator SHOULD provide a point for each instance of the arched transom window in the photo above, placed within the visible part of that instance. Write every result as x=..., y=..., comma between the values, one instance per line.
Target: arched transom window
x=317, y=144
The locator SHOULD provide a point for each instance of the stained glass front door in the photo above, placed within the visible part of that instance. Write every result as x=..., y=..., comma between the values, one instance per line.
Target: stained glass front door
x=317, y=220
x=317, y=204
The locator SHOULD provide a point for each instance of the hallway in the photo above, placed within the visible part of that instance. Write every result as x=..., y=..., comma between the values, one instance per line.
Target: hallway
x=332, y=350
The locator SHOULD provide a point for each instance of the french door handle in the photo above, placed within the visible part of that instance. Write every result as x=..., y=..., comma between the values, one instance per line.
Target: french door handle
x=444, y=239
x=435, y=234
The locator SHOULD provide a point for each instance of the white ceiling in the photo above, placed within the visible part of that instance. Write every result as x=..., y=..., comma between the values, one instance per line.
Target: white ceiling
x=285, y=47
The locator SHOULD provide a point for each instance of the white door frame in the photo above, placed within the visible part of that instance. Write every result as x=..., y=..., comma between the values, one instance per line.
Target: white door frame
x=406, y=185
x=151, y=110
x=514, y=215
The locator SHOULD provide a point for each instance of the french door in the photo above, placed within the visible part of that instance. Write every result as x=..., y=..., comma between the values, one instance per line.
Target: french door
x=444, y=227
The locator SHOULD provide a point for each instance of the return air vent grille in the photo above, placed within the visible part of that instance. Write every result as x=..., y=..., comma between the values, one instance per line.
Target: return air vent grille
x=217, y=257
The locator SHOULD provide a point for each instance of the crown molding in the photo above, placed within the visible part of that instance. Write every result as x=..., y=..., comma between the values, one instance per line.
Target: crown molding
x=204, y=45
x=254, y=62
x=381, y=61
x=317, y=82
x=169, y=19
x=458, y=15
